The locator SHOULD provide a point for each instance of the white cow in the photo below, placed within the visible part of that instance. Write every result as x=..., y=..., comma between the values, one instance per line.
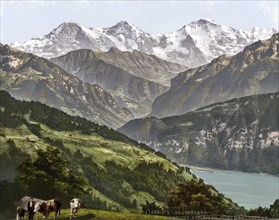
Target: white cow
x=74, y=207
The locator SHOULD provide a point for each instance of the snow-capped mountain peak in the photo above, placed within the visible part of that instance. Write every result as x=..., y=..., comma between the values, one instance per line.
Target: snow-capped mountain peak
x=194, y=44
x=65, y=29
x=125, y=29
x=209, y=20
x=205, y=21
x=212, y=40
x=65, y=25
x=257, y=33
x=124, y=25
x=200, y=24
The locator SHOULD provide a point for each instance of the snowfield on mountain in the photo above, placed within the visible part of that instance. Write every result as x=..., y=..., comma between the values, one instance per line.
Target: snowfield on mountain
x=192, y=45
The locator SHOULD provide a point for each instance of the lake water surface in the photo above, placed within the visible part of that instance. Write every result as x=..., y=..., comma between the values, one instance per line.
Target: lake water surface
x=250, y=190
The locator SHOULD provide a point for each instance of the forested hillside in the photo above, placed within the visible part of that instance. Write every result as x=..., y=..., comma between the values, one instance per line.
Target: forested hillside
x=120, y=174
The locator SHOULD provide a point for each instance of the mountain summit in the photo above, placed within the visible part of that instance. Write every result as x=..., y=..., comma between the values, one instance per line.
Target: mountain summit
x=192, y=45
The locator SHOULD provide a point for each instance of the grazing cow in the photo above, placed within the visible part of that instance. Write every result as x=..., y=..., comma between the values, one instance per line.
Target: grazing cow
x=48, y=206
x=26, y=205
x=74, y=207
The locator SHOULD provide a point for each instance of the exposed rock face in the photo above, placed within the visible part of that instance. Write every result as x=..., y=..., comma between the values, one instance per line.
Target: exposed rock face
x=193, y=45
x=28, y=77
x=253, y=71
x=241, y=134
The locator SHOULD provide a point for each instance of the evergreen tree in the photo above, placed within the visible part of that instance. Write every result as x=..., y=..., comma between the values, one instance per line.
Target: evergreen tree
x=274, y=209
x=195, y=196
x=47, y=176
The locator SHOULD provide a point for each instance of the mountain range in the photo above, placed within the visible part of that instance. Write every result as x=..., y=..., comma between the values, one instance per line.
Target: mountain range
x=240, y=134
x=134, y=79
x=114, y=75
x=192, y=45
x=253, y=71
x=250, y=72
x=103, y=87
x=29, y=77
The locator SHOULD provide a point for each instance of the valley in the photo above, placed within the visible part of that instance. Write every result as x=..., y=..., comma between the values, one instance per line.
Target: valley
x=133, y=79
x=134, y=122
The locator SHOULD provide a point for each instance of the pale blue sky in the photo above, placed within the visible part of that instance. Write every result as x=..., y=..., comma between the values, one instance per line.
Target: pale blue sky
x=21, y=20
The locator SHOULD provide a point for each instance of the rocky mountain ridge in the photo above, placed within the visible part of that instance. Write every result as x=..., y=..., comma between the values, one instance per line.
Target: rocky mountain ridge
x=252, y=71
x=28, y=77
x=192, y=45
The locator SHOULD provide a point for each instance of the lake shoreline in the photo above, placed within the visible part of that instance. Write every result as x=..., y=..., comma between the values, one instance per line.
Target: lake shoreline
x=249, y=190
x=210, y=169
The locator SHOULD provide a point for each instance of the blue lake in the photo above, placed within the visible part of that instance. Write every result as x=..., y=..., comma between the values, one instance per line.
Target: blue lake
x=250, y=190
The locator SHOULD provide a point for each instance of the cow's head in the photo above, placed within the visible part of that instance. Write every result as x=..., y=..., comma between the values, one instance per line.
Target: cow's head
x=39, y=206
x=75, y=203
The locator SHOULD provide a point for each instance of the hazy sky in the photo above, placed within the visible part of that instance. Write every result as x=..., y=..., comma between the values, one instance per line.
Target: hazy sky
x=21, y=20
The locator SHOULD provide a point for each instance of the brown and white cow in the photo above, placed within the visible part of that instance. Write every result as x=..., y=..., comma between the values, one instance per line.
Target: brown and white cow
x=48, y=206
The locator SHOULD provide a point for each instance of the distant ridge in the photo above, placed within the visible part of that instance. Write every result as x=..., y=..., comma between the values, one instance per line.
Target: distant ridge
x=239, y=134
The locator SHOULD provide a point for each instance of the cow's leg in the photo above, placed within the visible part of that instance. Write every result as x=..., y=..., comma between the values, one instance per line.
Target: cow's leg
x=46, y=215
x=55, y=214
x=31, y=215
x=71, y=214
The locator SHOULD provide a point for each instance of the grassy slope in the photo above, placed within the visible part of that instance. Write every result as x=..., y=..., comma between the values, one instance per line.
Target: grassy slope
x=96, y=146
x=91, y=214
